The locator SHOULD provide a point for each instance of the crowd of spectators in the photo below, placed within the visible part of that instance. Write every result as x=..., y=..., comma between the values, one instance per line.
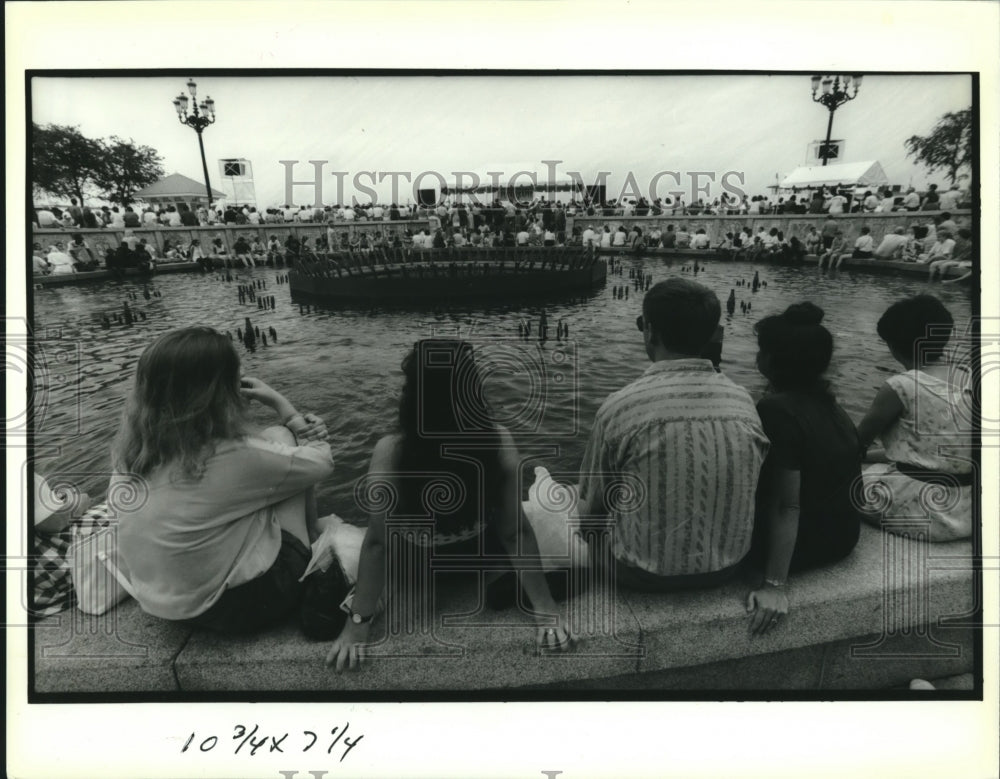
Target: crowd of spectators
x=541, y=222
x=940, y=243
x=457, y=213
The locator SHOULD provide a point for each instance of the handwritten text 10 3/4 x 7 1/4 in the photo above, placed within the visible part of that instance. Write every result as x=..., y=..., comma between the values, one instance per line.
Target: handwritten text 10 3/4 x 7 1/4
x=280, y=742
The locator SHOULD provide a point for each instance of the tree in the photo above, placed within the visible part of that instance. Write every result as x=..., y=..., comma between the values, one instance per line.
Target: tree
x=948, y=146
x=63, y=161
x=126, y=168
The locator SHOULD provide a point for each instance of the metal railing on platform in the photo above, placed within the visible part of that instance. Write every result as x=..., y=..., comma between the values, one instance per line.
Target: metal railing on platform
x=447, y=262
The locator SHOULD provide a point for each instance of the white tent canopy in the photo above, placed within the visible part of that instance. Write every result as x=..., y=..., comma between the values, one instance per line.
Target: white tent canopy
x=862, y=174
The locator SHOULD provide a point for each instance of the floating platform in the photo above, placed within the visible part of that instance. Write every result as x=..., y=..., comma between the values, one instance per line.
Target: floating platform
x=385, y=275
x=128, y=274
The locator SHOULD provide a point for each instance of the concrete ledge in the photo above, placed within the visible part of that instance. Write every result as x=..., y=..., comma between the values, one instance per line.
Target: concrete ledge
x=125, y=650
x=858, y=625
x=860, y=596
x=835, y=667
x=878, y=267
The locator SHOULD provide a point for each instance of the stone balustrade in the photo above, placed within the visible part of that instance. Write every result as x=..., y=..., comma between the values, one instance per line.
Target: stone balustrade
x=105, y=239
x=716, y=226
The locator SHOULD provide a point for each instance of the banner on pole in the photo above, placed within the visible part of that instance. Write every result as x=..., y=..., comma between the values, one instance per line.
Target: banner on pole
x=818, y=149
x=237, y=181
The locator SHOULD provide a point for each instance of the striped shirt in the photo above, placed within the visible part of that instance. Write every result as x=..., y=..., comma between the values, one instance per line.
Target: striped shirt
x=687, y=445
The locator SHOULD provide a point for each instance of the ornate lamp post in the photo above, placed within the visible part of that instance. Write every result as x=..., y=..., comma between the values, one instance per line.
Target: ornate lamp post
x=833, y=92
x=197, y=120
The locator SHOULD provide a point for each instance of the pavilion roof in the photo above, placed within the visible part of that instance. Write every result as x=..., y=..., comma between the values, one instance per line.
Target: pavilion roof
x=176, y=185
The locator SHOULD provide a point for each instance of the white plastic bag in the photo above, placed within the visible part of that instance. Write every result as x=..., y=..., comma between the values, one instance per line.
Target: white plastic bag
x=98, y=575
x=338, y=540
x=549, y=508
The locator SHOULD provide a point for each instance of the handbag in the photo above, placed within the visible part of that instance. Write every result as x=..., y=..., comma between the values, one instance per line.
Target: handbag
x=95, y=565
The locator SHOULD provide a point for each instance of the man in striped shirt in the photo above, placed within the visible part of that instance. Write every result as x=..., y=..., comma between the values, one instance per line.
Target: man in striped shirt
x=674, y=457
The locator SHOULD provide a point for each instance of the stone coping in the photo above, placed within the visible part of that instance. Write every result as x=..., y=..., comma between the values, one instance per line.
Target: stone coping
x=881, y=267
x=864, y=607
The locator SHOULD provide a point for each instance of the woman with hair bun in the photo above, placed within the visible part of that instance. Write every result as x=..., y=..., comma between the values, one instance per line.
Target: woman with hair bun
x=805, y=513
x=924, y=419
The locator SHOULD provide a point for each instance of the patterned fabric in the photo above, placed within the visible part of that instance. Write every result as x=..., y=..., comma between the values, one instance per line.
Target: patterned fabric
x=933, y=433
x=685, y=446
x=53, y=584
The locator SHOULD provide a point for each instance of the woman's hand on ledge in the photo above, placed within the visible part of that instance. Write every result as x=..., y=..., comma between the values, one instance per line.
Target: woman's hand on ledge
x=348, y=651
x=555, y=639
x=767, y=606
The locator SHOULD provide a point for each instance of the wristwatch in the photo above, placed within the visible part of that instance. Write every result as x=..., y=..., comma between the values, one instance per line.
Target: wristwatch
x=357, y=619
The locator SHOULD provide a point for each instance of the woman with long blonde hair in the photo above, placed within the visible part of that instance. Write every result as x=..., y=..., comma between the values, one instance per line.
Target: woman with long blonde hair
x=218, y=534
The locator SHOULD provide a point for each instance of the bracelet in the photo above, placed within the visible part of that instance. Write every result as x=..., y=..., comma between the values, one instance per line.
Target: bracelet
x=774, y=583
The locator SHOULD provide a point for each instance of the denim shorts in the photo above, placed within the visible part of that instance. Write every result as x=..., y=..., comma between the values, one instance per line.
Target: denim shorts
x=263, y=602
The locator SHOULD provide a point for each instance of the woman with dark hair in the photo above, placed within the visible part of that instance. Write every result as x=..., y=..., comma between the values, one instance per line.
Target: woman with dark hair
x=218, y=534
x=637, y=242
x=805, y=513
x=924, y=420
x=451, y=460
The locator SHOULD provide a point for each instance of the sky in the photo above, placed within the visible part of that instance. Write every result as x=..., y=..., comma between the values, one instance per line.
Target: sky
x=757, y=125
